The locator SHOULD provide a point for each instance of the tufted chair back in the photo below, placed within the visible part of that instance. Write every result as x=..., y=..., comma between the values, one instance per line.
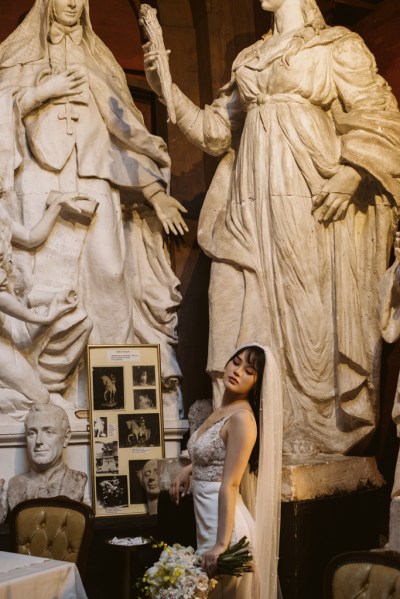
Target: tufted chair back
x=56, y=527
x=363, y=575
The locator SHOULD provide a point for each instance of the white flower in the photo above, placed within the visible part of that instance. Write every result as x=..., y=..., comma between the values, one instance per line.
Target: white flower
x=178, y=575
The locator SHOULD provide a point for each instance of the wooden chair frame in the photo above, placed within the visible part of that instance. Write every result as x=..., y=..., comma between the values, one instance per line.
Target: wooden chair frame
x=384, y=558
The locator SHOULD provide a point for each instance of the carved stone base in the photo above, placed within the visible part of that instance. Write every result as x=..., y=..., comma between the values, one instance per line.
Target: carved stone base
x=314, y=531
x=394, y=526
x=322, y=475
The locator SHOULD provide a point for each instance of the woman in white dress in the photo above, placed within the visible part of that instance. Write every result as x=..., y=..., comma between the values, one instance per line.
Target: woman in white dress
x=220, y=451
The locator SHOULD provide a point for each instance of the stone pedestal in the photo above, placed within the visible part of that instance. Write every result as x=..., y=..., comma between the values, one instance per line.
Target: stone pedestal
x=324, y=475
x=330, y=505
x=394, y=528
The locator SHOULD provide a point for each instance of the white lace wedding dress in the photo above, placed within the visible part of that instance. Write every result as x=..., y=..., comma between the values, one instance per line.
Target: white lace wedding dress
x=207, y=452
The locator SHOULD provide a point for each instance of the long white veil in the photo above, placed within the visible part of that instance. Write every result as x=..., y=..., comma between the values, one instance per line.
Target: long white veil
x=268, y=490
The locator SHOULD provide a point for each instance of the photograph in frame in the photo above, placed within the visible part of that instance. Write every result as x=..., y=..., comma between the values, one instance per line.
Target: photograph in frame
x=112, y=491
x=139, y=430
x=126, y=427
x=106, y=457
x=108, y=388
x=145, y=399
x=143, y=376
x=100, y=426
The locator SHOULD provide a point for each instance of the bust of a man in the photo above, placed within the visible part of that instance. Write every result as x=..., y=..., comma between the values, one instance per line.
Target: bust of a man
x=151, y=485
x=47, y=431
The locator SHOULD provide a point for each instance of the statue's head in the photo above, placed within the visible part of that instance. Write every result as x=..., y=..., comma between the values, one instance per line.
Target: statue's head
x=309, y=8
x=67, y=12
x=150, y=480
x=47, y=431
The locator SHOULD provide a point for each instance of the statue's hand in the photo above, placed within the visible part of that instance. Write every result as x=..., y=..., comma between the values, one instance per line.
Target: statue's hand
x=58, y=308
x=169, y=211
x=334, y=199
x=151, y=68
x=74, y=201
x=62, y=84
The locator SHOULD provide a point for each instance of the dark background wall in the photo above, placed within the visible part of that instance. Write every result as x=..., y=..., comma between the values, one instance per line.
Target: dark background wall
x=205, y=36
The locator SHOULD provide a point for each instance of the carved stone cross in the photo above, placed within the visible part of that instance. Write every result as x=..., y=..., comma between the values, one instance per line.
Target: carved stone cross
x=69, y=116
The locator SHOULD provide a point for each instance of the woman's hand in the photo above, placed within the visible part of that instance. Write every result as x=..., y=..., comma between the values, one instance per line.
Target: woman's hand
x=180, y=485
x=210, y=559
x=334, y=199
x=151, y=70
x=169, y=211
x=63, y=84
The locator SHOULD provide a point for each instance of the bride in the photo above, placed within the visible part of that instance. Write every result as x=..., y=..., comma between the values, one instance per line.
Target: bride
x=220, y=451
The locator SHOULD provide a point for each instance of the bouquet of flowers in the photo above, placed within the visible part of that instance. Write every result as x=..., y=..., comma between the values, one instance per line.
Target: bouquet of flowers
x=178, y=574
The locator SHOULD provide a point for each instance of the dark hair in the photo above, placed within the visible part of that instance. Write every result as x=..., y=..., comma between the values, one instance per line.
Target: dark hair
x=255, y=356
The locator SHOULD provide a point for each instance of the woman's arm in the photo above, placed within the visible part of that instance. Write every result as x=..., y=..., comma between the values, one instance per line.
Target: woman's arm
x=241, y=433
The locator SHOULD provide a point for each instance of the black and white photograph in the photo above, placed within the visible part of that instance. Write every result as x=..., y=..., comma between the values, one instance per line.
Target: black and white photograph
x=100, y=427
x=144, y=376
x=126, y=419
x=139, y=430
x=106, y=457
x=112, y=492
x=145, y=399
x=108, y=388
x=137, y=492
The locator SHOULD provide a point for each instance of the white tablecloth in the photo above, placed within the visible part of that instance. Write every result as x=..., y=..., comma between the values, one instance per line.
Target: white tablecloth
x=28, y=577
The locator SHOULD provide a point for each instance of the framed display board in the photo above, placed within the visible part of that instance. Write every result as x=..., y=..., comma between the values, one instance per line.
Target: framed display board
x=126, y=424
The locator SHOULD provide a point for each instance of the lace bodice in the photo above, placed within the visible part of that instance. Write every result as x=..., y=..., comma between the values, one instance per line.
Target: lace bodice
x=207, y=451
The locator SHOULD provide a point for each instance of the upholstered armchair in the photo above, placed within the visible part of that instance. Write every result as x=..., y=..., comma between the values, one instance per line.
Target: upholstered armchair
x=57, y=527
x=362, y=574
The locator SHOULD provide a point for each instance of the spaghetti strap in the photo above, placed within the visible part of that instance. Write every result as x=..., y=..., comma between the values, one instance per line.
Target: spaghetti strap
x=235, y=412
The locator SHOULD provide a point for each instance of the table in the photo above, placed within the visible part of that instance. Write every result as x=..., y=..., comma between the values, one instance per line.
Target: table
x=38, y=578
x=129, y=551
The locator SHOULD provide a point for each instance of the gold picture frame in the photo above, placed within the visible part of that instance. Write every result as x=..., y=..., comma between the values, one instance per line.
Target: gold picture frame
x=126, y=424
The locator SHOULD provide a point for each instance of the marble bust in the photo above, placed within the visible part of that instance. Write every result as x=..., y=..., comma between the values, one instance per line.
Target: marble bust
x=150, y=484
x=47, y=431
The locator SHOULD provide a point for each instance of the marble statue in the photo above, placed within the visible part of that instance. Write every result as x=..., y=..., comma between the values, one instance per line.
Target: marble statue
x=69, y=124
x=390, y=327
x=47, y=432
x=3, y=501
x=150, y=484
x=300, y=216
x=56, y=334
